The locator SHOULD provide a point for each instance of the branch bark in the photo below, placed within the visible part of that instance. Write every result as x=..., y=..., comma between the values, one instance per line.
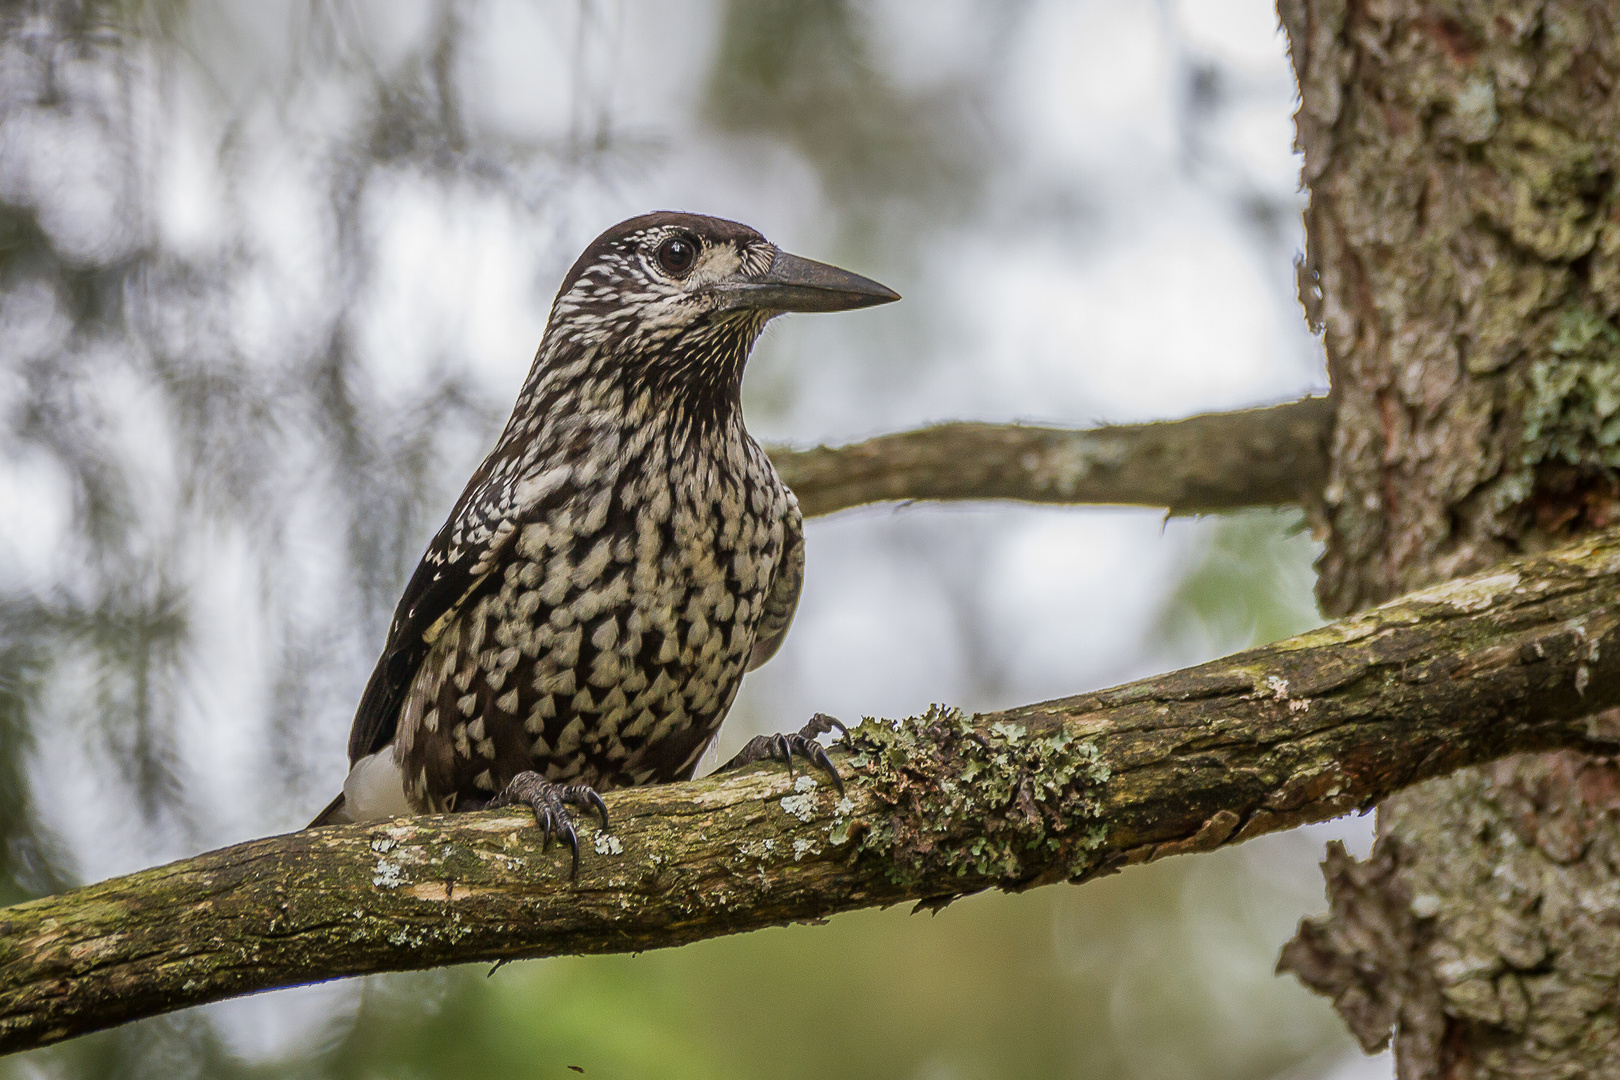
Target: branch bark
x=937, y=806
x=1275, y=456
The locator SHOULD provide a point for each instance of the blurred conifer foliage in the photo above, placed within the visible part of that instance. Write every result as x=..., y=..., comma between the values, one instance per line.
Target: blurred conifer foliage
x=205, y=463
x=804, y=72
x=183, y=437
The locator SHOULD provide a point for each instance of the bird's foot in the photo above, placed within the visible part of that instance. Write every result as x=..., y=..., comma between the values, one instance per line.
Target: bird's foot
x=783, y=747
x=549, y=803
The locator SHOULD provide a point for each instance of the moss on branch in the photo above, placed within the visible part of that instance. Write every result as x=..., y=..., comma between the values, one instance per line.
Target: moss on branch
x=938, y=806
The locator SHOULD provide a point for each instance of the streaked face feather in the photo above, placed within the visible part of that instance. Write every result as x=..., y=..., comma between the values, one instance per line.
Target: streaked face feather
x=629, y=310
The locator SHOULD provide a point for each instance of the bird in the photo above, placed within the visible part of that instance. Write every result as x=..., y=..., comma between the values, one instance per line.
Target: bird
x=585, y=615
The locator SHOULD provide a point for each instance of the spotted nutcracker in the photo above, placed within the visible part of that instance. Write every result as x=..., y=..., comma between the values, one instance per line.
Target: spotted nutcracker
x=583, y=619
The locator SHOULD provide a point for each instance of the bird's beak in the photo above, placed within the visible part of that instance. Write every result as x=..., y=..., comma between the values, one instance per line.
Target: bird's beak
x=795, y=284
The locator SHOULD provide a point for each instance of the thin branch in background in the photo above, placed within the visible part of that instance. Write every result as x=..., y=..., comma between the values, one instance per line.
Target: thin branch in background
x=1274, y=456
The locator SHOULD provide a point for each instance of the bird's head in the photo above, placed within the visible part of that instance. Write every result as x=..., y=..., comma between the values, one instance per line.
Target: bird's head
x=678, y=299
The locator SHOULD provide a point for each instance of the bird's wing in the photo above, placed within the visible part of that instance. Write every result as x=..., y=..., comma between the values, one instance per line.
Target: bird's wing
x=459, y=565
x=783, y=599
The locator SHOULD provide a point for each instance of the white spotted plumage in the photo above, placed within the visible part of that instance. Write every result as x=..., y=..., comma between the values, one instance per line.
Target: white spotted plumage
x=621, y=558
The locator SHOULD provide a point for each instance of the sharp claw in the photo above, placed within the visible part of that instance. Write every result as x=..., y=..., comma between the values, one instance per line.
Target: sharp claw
x=551, y=814
x=782, y=747
x=601, y=807
x=821, y=759
x=573, y=845
x=821, y=723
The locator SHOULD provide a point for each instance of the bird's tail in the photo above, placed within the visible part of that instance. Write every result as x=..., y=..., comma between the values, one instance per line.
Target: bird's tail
x=336, y=813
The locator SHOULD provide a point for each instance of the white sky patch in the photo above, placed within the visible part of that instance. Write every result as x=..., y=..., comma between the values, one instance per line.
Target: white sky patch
x=1260, y=135
x=1244, y=35
x=1072, y=595
x=460, y=267
x=273, y=1027
x=924, y=44
x=876, y=637
x=519, y=67
x=36, y=522
x=1092, y=93
x=192, y=211
x=1159, y=321
x=69, y=171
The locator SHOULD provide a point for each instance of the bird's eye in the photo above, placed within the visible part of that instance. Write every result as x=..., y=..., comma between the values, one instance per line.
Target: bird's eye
x=676, y=255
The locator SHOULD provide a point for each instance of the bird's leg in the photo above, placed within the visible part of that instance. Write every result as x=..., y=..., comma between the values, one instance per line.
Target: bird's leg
x=783, y=747
x=548, y=800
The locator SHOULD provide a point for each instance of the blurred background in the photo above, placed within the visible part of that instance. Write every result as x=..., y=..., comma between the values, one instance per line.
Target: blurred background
x=270, y=276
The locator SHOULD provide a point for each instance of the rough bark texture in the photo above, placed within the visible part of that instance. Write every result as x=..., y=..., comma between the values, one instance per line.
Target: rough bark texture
x=937, y=806
x=1273, y=456
x=1464, y=262
x=1373, y=916
x=1463, y=235
x=1521, y=978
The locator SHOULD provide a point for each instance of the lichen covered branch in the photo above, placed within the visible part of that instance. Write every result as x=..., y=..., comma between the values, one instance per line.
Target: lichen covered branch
x=937, y=806
x=1274, y=456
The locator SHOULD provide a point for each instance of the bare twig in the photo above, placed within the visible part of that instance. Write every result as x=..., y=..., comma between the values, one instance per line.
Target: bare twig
x=1273, y=456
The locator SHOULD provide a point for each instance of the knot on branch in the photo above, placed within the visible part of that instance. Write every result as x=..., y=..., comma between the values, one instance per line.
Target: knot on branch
x=974, y=805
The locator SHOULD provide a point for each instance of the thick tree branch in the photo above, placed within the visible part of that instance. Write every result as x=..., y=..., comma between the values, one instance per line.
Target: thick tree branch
x=937, y=806
x=1273, y=456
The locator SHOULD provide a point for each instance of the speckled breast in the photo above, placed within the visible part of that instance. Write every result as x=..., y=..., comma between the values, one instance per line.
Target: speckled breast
x=616, y=637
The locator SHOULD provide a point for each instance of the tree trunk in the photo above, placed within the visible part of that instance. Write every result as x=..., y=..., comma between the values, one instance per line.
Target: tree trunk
x=1464, y=264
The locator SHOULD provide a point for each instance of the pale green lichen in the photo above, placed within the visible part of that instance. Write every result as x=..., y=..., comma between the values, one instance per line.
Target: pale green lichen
x=998, y=803
x=1065, y=467
x=1474, y=110
x=386, y=875
x=1572, y=399
x=802, y=804
x=1549, y=175
x=838, y=833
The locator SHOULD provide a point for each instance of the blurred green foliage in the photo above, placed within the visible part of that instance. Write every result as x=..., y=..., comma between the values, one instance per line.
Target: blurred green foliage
x=1251, y=584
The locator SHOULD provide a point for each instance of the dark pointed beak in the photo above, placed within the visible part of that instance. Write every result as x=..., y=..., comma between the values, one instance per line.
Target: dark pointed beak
x=795, y=284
